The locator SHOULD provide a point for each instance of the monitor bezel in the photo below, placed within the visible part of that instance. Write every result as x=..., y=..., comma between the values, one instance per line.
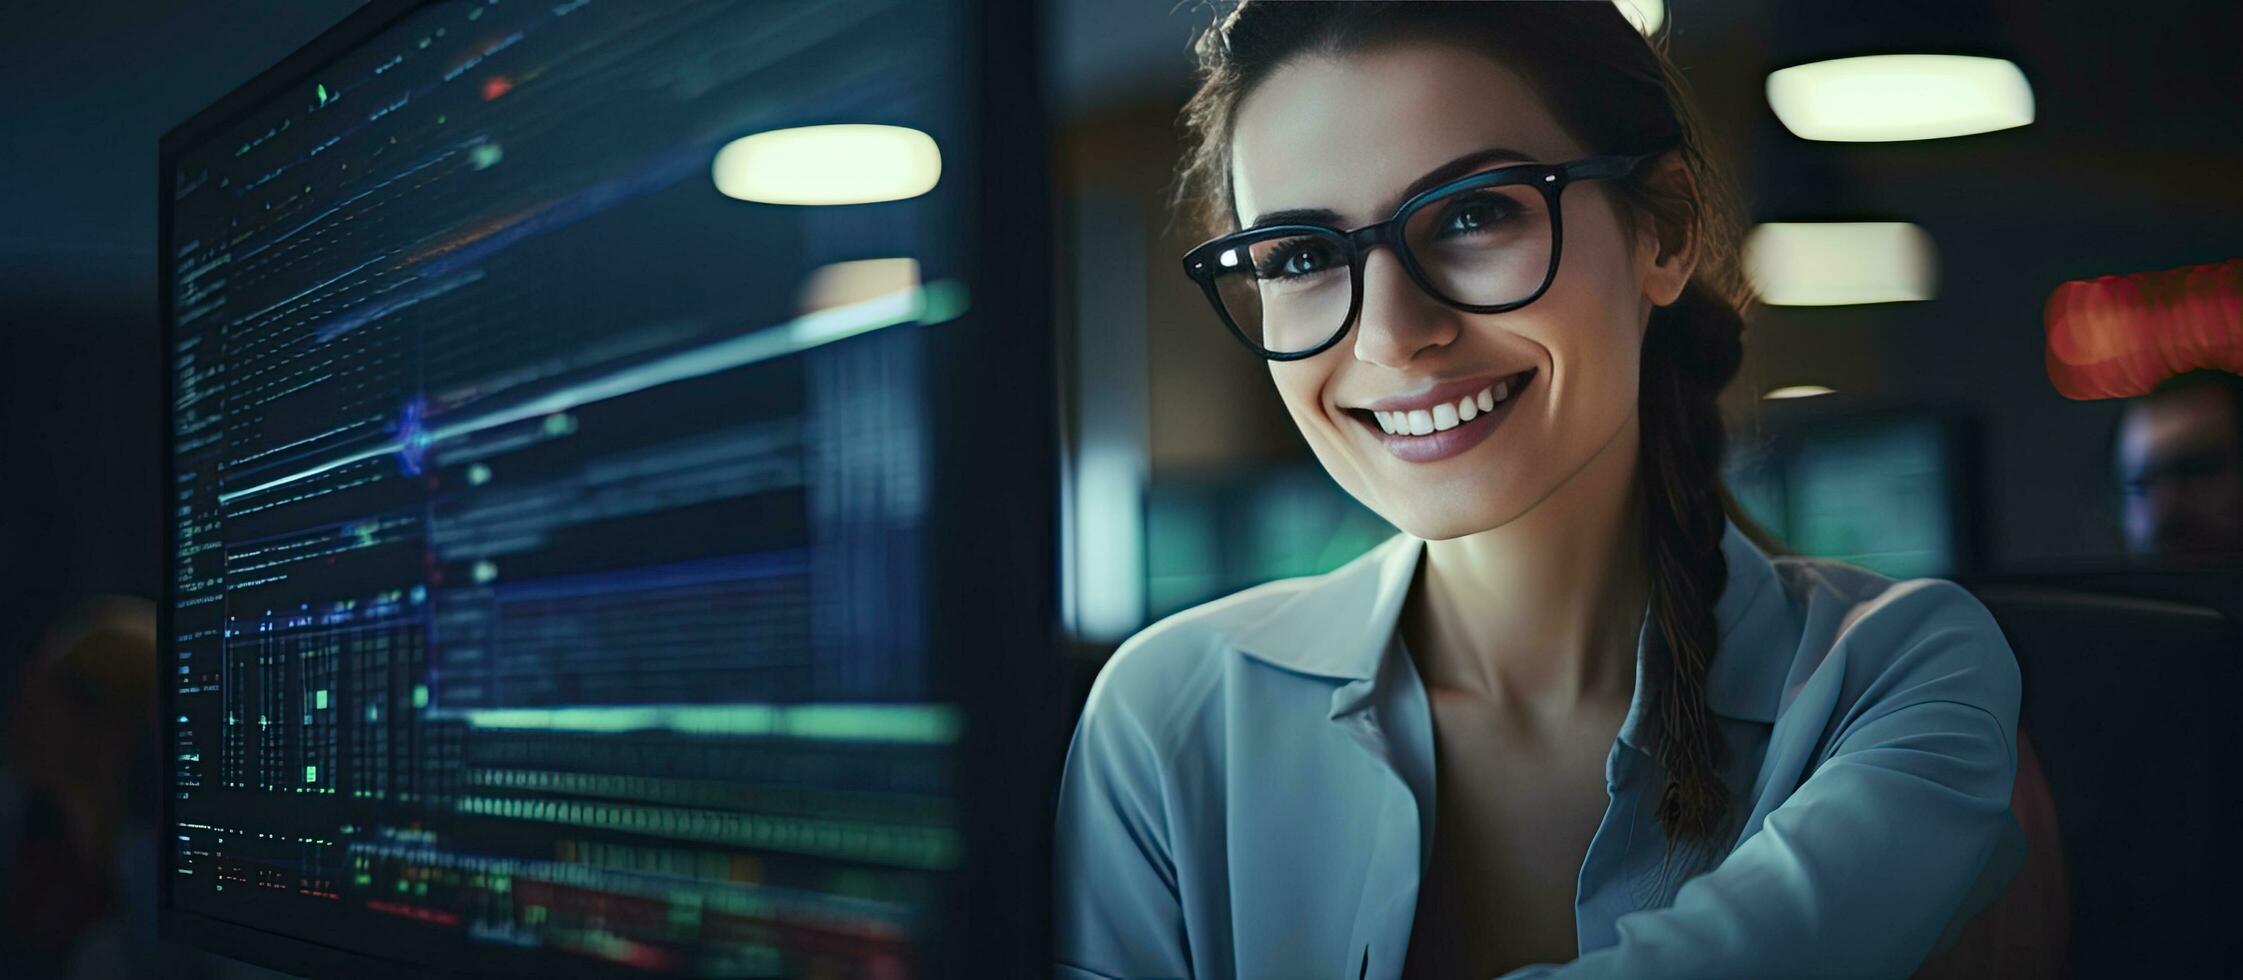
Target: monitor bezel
x=1016, y=729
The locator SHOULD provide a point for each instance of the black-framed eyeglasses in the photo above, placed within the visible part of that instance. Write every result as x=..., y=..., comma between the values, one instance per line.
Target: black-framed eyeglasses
x=1483, y=243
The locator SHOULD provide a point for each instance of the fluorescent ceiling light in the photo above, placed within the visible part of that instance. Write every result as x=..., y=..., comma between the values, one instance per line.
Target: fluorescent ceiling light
x=1900, y=97
x=840, y=164
x=1646, y=15
x=1839, y=263
x=1798, y=391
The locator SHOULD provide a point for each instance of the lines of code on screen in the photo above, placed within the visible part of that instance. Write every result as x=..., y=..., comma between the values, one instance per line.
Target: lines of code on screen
x=548, y=525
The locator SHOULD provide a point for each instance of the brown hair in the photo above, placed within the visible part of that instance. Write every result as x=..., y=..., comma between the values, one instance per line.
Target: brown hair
x=1618, y=94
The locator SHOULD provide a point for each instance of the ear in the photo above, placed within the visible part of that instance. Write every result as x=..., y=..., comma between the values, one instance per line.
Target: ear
x=1667, y=244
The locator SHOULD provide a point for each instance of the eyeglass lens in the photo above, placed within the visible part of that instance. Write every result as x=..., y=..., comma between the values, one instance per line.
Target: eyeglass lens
x=1482, y=246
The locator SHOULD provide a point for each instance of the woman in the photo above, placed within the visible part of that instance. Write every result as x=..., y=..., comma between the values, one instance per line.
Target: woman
x=1570, y=721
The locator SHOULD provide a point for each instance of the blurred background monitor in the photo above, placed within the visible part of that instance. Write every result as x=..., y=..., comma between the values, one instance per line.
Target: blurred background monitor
x=1888, y=493
x=564, y=421
x=1209, y=534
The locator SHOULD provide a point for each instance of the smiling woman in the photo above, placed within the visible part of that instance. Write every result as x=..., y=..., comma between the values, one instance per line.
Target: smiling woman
x=1572, y=721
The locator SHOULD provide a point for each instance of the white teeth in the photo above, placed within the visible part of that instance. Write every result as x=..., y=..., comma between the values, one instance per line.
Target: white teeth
x=1444, y=416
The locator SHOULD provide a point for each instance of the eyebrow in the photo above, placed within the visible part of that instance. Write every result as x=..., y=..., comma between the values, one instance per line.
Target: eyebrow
x=1430, y=179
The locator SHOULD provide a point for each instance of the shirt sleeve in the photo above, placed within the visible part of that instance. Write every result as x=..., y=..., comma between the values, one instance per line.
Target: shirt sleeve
x=1862, y=869
x=1118, y=913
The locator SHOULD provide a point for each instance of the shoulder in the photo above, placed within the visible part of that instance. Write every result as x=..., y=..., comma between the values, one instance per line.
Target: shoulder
x=1162, y=678
x=1862, y=600
x=1900, y=642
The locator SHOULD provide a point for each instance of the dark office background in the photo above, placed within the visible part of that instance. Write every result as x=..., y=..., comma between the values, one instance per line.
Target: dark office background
x=2129, y=166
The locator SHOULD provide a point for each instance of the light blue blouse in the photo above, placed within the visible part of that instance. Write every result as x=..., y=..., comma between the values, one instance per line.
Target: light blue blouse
x=1250, y=790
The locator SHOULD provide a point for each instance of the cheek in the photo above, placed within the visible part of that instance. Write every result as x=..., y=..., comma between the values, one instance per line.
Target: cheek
x=1300, y=384
x=1597, y=280
x=1593, y=328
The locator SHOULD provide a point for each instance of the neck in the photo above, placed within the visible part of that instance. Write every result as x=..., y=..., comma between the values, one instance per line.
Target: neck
x=1544, y=609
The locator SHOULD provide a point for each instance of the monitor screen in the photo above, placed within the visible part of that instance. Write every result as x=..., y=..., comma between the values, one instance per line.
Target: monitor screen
x=1885, y=493
x=551, y=489
x=1211, y=533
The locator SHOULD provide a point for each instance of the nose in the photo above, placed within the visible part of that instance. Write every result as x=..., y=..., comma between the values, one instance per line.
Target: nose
x=1398, y=320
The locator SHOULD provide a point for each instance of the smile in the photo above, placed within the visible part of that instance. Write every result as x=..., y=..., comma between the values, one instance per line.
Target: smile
x=1444, y=428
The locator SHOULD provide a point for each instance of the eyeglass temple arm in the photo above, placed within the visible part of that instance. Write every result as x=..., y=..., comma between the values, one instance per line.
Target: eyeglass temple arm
x=1605, y=168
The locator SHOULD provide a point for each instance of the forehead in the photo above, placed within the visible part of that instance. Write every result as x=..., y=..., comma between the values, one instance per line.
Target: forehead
x=1346, y=132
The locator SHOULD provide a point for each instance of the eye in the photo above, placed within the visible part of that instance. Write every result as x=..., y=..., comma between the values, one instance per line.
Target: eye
x=1473, y=213
x=1295, y=258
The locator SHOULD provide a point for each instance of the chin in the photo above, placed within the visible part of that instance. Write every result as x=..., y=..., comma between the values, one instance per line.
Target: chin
x=1437, y=516
x=1434, y=506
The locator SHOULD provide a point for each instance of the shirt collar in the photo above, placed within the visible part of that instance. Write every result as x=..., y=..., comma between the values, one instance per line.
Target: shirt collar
x=1342, y=625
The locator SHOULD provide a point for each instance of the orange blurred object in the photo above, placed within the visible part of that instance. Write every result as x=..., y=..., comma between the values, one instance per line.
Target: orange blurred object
x=2120, y=336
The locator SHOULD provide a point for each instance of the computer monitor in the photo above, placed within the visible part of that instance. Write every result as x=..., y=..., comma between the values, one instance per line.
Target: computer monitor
x=610, y=506
x=1890, y=491
x=1219, y=530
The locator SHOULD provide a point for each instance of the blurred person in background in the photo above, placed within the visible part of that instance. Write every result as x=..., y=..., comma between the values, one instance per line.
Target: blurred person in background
x=2179, y=461
x=77, y=840
x=1572, y=721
